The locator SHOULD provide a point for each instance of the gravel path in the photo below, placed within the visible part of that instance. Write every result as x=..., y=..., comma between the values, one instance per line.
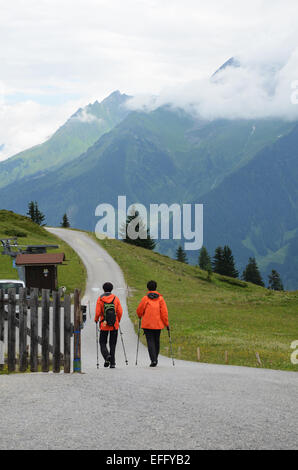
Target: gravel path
x=189, y=406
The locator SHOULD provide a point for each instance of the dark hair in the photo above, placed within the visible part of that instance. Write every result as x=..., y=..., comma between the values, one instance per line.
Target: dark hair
x=108, y=287
x=151, y=285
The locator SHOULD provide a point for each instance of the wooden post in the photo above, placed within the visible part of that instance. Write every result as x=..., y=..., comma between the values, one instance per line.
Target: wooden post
x=11, y=330
x=77, y=332
x=1, y=329
x=34, y=330
x=226, y=357
x=67, y=333
x=23, y=330
x=198, y=354
x=56, y=332
x=45, y=305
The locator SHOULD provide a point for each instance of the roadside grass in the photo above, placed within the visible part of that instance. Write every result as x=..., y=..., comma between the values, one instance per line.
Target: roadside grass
x=4, y=369
x=217, y=316
x=71, y=275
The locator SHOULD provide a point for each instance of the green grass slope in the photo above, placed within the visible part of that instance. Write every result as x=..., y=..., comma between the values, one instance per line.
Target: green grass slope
x=217, y=316
x=72, y=275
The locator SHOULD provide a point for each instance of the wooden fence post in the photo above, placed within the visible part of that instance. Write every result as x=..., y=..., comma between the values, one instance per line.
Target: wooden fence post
x=11, y=330
x=198, y=354
x=45, y=305
x=67, y=333
x=34, y=330
x=56, y=332
x=23, y=329
x=1, y=329
x=77, y=332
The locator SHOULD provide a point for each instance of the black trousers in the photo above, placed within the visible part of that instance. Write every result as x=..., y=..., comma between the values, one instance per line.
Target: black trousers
x=153, y=343
x=103, y=339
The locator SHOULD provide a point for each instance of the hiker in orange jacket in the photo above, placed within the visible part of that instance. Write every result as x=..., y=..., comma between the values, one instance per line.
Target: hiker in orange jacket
x=108, y=313
x=154, y=313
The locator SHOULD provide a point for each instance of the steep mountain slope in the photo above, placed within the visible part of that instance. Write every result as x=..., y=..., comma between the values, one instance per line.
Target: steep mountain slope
x=162, y=156
x=71, y=140
x=255, y=210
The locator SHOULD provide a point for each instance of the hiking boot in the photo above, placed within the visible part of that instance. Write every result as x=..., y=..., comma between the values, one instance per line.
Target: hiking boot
x=107, y=361
x=153, y=364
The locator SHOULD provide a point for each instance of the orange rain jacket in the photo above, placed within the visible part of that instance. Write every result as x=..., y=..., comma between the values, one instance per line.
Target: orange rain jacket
x=153, y=311
x=99, y=315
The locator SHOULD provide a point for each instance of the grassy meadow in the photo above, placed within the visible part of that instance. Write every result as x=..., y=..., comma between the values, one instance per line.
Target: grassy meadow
x=229, y=320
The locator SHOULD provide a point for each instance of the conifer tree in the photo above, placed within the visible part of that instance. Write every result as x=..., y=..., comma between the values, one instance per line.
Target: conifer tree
x=65, y=221
x=34, y=213
x=229, y=263
x=275, y=282
x=181, y=255
x=252, y=273
x=218, y=261
x=134, y=225
x=31, y=210
x=223, y=262
x=204, y=259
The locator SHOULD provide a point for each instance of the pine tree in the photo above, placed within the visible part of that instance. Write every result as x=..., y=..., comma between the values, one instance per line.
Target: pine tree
x=204, y=259
x=218, y=261
x=134, y=223
x=34, y=213
x=65, y=222
x=31, y=210
x=181, y=255
x=252, y=273
x=275, y=282
x=39, y=216
x=229, y=263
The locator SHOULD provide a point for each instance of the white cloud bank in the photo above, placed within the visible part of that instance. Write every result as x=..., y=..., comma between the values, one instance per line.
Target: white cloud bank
x=59, y=55
x=28, y=123
x=85, y=116
x=255, y=89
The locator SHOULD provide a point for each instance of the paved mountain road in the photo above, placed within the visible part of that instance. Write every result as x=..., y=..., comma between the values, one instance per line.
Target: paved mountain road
x=189, y=406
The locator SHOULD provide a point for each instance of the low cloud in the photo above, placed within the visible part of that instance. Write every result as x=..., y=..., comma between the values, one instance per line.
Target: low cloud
x=64, y=51
x=84, y=116
x=253, y=89
x=28, y=123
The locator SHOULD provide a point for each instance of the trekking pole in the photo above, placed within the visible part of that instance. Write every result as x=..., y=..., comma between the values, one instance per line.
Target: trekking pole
x=171, y=349
x=121, y=334
x=96, y=326
x=138, y=341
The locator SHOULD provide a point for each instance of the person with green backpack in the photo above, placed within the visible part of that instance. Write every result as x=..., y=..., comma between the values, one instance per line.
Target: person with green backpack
x=108, y=313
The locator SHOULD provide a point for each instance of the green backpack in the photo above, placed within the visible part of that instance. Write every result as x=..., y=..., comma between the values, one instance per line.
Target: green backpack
x=109, y=313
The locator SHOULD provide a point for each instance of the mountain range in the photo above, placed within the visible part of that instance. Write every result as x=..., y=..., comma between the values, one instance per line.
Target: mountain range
x=244, y=171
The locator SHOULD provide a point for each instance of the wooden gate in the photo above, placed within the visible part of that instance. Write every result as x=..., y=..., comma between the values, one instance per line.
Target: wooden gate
x=49, y=315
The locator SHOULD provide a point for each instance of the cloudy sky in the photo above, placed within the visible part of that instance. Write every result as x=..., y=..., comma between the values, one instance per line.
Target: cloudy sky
x=58, y=55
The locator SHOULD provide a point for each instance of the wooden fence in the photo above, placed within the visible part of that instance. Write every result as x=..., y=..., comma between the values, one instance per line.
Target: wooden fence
x=52, y=315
